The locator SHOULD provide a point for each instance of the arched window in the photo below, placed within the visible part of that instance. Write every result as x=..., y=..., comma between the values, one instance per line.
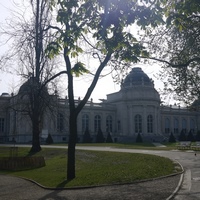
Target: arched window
x=167, y=125
x=85, y=122
x=109, y=123
x=97, y=123
x=138, y=124
x=176, y=126
x=150, y=124
x=60, y=122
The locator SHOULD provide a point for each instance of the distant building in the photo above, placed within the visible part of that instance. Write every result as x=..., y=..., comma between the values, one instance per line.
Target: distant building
x=135, y=108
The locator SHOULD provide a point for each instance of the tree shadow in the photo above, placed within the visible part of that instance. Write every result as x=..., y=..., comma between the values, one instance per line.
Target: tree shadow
x=31, y=153
x=62, y=184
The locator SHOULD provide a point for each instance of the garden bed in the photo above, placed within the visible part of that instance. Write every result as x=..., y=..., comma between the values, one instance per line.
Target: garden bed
x=21, y=163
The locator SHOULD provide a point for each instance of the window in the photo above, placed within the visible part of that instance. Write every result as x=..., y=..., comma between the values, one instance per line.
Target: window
x=97, y=123
x=138, y=124
x=167, y=125
x=2, y=125
x=60, y=122
x=85, y=122
x=150, y=124
x=176, y=126
x=109, y=124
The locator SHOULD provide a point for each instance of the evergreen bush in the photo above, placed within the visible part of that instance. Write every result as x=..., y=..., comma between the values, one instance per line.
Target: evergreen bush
x=100, y=138
x=139, y=138
x=49, y=139
x=198, y=136
x=109, y=138
x=172, y=139
x=191, y=137
x=182, y=136
x=86, y=137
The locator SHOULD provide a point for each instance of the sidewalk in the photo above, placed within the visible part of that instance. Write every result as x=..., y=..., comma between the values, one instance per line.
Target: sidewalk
x=12, y=188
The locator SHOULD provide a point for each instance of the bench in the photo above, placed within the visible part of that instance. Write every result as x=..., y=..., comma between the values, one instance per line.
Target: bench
x=184, y=145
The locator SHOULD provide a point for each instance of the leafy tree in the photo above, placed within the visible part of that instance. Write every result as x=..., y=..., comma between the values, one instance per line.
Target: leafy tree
x=99, y=30
x=180, y=49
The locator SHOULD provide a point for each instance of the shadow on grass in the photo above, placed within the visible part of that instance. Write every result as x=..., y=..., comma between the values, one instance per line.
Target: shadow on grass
x=31, y=154
x=63, y=184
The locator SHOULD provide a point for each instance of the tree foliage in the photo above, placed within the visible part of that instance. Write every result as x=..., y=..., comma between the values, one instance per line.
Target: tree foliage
x=179, y=52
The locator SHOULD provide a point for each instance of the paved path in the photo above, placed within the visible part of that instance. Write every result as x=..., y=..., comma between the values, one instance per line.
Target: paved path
x=16, y=188
x=12, y=188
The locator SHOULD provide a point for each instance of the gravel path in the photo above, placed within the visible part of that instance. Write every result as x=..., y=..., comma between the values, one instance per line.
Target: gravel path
x=12, y=188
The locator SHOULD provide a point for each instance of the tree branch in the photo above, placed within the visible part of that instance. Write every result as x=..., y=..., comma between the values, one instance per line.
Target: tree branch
x=171, y=64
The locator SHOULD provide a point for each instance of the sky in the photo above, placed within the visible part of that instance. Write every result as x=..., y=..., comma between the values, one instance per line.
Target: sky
x=10, y=83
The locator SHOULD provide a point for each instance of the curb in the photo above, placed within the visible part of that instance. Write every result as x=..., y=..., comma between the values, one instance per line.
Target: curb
x=107, y=185
x=179, y=184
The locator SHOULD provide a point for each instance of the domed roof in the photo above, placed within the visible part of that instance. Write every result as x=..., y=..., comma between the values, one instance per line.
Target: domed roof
x=137, y=77
x=29, y=86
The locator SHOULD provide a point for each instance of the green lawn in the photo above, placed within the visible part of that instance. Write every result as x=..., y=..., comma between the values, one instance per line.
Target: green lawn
x=94, y=168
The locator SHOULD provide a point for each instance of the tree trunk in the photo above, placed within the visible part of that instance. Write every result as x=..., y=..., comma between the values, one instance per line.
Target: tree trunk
x=35, y=137
x=71, y=147
x=35, y=124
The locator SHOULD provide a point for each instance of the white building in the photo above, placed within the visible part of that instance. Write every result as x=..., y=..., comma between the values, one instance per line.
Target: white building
x=136, y=108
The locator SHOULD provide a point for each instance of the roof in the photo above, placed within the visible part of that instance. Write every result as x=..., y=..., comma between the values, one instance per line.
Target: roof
x=137, y=77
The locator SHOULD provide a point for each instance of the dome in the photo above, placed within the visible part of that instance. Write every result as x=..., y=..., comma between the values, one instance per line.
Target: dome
x=29, y=86
x=137, y=77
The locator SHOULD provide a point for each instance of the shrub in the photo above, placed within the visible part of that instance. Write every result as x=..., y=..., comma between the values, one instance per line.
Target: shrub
x=198, y=136
x=190, y=136
x=139, y=138
x=172, y=139
x=182, y=136
x=86, y=137
x=109, y=138
x=49, y=139
x=100, y=138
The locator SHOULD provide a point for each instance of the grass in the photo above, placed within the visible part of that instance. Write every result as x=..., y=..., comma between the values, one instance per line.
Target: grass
x=94, y=168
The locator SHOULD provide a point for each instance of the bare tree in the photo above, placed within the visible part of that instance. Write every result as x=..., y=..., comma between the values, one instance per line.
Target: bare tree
x=29, y=36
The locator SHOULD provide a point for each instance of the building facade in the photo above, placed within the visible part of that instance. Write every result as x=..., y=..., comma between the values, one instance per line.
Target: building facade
x=135, y=108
